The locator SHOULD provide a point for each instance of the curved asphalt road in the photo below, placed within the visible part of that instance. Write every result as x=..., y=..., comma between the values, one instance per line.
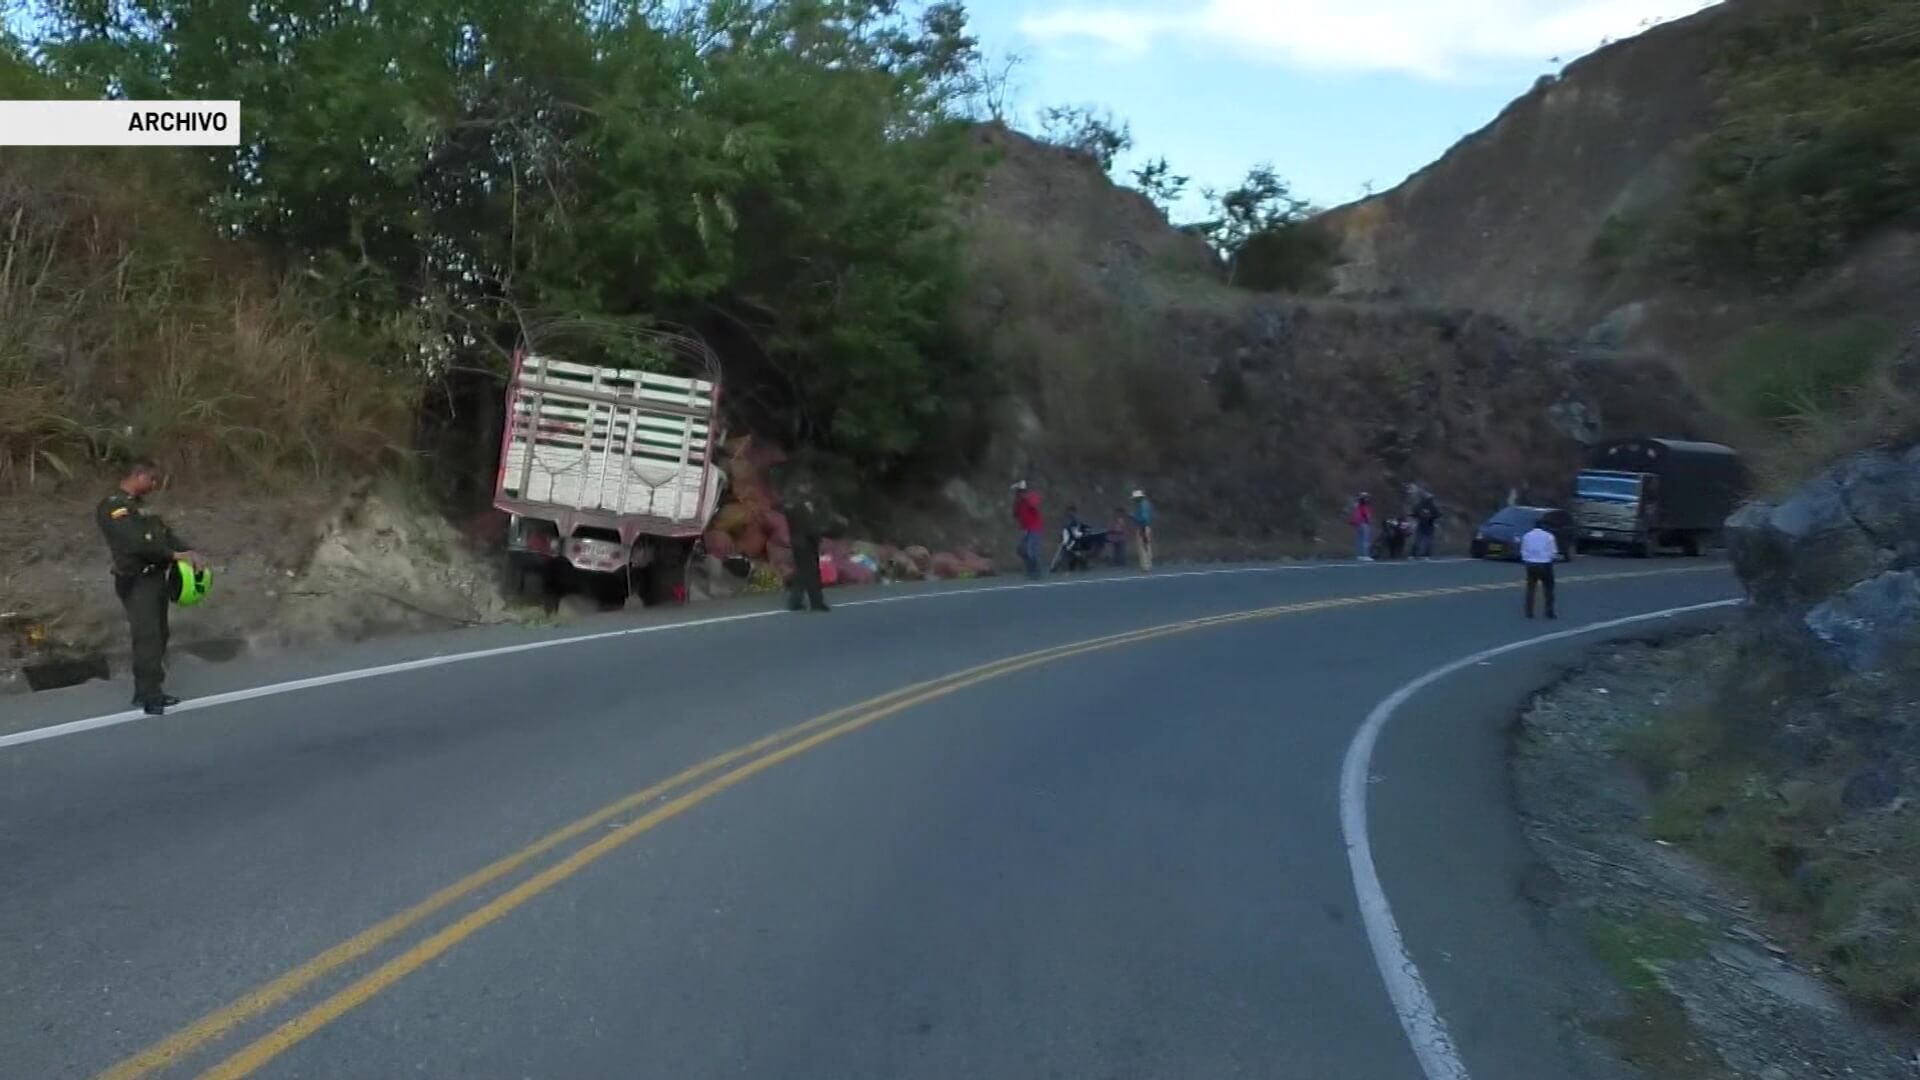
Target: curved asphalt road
x=1117, y=863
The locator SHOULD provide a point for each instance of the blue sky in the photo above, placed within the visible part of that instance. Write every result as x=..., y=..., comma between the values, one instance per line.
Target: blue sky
x=1336, y=94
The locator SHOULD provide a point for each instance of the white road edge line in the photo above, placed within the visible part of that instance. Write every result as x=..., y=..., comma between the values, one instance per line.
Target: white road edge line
x=1419, y=1018
x=94, y=723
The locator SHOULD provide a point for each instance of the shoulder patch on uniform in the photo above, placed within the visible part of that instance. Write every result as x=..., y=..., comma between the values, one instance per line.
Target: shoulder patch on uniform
x=118, y=512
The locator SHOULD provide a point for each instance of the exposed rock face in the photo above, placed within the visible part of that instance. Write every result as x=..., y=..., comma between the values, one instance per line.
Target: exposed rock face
x=1506, y=221
x=1840, y=555
x=1862, y=624
x=1252, y=419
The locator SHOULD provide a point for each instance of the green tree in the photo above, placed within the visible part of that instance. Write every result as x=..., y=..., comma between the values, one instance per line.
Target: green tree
x=1262, y=202
x=1088, y=131
x=773, y=173
x=1267, y=236
x=1160, y=184
x=1816, y=142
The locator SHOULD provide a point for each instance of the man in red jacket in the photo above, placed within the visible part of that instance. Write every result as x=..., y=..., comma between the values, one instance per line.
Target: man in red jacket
x=1026, y=513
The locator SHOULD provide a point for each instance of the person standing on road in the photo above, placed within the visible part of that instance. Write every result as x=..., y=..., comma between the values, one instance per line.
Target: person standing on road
x=1026, y=514
x=1362, y=521
x=1426, y=521
x=803, y=522
x=1539, y=551
x=144, y=548
x=1143, y=528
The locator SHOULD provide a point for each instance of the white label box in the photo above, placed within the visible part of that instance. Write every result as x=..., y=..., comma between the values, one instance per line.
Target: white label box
x=119, y=123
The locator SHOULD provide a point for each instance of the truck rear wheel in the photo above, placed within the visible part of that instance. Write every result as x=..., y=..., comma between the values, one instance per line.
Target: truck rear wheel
x=611, y=590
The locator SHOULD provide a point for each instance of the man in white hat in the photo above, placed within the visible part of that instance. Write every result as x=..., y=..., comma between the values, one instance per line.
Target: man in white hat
x=1143, y=528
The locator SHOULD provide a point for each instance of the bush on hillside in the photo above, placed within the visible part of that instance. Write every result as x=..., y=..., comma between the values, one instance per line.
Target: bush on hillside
x=1089, y=132
x=1296, y=257
x=1882, y=410
x=1781, y=375
x=132, y=328
x=1817, y=141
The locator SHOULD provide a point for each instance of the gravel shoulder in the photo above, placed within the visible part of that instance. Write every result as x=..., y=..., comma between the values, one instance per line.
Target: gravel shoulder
x=1702, y=984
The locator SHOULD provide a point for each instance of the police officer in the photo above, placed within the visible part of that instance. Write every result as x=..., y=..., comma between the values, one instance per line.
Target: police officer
x=804, y=523
x=143, y=548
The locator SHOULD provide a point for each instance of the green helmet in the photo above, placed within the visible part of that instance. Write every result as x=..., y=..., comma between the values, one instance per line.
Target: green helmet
x=189, y=585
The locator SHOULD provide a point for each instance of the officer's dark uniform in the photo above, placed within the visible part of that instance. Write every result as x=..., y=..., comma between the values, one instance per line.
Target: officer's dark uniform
x=805, y=588
x=143, y=548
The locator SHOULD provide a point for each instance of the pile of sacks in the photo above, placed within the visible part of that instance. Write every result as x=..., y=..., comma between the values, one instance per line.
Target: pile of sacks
x=751, y=526
x=863, y=563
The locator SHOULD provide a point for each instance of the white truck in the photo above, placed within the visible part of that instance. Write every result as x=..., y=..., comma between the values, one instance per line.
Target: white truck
x=608, y=474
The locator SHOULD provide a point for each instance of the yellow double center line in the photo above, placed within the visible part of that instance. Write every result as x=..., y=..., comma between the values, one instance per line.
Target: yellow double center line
x=694, y=786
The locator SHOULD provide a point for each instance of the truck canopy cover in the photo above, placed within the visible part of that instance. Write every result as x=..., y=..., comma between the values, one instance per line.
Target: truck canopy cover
x=1697, y=484
x=610, y=442
x=1643, y=455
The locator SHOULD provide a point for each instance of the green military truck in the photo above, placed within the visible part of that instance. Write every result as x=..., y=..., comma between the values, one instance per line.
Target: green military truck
x=1641, y=495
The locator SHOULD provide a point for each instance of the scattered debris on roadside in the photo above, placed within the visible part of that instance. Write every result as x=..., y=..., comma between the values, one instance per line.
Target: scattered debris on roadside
x=748, y=540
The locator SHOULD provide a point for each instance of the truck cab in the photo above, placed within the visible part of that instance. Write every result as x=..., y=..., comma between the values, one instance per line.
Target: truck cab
x=1641, y=494
x=1610, y=508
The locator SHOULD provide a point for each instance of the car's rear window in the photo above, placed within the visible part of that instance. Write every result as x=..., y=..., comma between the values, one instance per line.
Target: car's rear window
x=1515, y=517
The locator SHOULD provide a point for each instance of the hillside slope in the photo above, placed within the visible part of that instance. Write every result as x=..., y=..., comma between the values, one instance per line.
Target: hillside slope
x=1252, y=418
x=1570, y=214
x=1506, y=221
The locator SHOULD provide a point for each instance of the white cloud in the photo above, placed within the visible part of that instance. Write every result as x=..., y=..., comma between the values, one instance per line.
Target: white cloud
x=1429, y=38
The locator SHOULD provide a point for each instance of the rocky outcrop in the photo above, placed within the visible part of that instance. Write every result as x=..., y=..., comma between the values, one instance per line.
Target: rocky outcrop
x=1252, y=419
x=1839, y=556
x=1863, y=624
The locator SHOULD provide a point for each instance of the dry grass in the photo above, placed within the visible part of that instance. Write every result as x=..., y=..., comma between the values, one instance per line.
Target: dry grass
x=1085, y=365
x=131, y=328
x=1809, y=397
x=1884, y=412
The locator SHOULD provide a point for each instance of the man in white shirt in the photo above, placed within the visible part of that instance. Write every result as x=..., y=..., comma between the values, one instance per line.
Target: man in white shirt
x=1539, y=550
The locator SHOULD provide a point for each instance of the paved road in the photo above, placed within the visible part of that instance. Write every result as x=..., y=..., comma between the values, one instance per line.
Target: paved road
x=1119, y=861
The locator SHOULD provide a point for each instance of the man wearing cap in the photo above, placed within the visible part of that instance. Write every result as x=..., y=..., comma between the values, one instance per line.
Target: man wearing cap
x=144, y=548
x=1143, y=528
x=1026, y=514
